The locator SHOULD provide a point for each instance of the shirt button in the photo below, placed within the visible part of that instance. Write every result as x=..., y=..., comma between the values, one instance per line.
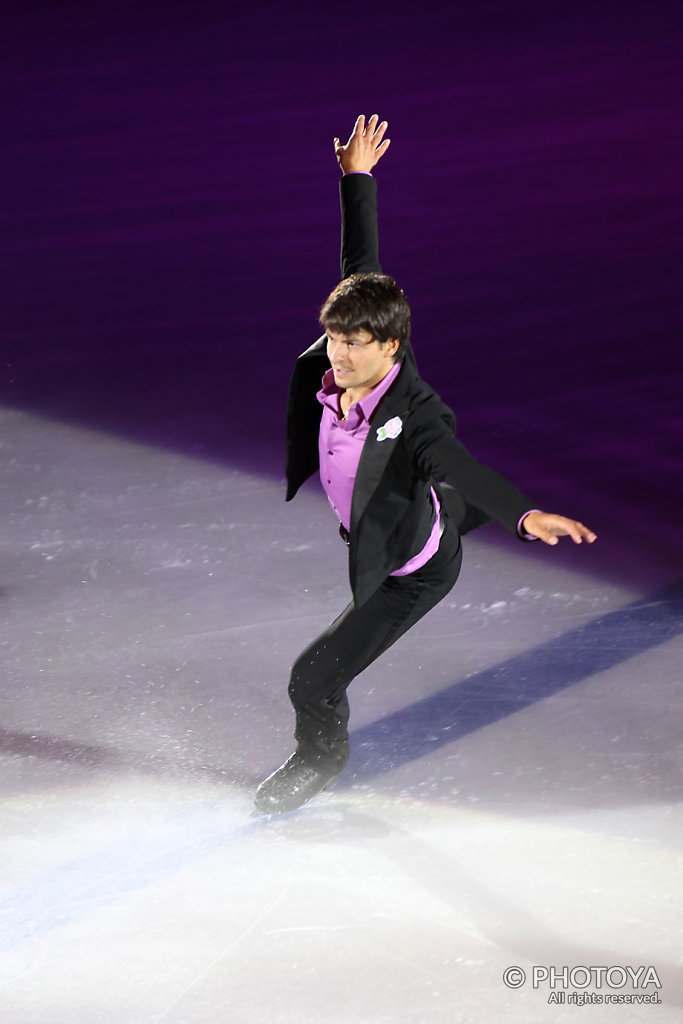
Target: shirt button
x=329, y=481
x=330, y=452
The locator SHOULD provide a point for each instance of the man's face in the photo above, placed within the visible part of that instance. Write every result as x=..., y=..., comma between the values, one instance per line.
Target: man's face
x=358, y=360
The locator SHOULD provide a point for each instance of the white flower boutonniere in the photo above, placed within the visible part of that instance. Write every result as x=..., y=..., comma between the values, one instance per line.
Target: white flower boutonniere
x=391, y=429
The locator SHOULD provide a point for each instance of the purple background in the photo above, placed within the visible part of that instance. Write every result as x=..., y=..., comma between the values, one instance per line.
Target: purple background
x=171, y=227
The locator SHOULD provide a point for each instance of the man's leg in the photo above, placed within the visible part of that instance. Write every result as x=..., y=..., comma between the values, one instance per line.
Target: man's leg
x=322, y=673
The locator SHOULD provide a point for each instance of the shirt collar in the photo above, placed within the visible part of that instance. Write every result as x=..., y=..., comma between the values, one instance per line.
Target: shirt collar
x=367, y=405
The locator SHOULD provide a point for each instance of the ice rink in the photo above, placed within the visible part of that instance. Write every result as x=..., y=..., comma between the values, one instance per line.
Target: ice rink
x=511, y=799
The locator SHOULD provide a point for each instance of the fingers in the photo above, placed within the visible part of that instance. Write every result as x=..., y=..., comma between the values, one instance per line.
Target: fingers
x=576, y=530
x=378, y=130
x=549, y=527
x=583, y=533
x=366, y=145
x=373, y=130
x=372, y=124
x=559, y=526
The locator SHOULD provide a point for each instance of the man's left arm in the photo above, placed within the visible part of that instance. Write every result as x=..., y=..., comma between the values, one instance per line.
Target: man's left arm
x=442, y=457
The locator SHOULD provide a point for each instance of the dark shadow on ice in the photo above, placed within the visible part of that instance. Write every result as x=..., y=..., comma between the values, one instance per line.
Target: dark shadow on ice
x=52, y=748
x=87, y=756
x=491, y=695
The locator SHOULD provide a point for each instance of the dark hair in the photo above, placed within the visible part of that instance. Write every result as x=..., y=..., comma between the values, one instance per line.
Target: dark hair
x=369, y=302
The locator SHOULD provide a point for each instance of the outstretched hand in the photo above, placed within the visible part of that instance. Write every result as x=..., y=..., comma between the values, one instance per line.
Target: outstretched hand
x=549, y=527
x=365, y=147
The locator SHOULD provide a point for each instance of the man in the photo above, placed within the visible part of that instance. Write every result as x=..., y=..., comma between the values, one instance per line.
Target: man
x=403, y=488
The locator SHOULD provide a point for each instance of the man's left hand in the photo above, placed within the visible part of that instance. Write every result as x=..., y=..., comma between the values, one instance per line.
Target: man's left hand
x=549, y=527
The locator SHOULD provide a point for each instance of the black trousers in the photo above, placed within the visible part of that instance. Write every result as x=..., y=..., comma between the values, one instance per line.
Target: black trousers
x=323, y=671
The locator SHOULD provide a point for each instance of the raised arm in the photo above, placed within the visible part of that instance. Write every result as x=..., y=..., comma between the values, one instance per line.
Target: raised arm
x=358, y=195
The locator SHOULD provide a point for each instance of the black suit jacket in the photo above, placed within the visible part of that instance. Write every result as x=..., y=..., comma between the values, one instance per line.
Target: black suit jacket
x=391, y=514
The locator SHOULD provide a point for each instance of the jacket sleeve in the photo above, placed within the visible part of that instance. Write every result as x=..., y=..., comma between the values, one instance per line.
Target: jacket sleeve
x=484, y=491
x=359, y=232
x=359, y=237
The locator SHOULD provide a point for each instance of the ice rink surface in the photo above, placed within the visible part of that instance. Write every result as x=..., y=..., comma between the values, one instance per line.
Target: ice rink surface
x=512, y=799
x=505, y=842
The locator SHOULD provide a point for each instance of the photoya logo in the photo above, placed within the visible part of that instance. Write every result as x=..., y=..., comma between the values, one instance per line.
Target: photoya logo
x=581, y=978
x=595, y=977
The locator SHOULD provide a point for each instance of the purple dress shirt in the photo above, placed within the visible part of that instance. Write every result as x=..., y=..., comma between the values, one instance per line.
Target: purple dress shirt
x=340, y=443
